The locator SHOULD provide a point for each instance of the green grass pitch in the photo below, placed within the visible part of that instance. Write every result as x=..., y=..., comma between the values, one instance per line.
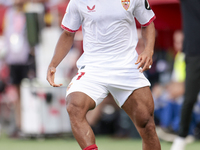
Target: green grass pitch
x=103, y=142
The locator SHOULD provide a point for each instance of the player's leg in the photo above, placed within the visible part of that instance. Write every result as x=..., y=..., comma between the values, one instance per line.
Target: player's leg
x=85, y=92
x=78, y=104
x=140, y=108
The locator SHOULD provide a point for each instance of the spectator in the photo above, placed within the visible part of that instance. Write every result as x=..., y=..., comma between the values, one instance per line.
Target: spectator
x=168, y=99
x=17, y=52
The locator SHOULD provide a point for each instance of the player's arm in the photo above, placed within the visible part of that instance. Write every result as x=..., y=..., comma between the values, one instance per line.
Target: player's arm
x=62, y=48
x=145, y=58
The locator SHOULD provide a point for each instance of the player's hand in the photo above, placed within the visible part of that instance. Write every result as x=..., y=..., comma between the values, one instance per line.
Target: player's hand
x=145, y=60
x=51, y=75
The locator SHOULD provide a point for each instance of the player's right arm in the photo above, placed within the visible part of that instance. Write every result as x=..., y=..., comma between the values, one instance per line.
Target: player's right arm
x=63, y=46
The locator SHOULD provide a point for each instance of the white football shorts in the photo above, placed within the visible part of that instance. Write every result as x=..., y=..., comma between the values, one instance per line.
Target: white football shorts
x=97, y=83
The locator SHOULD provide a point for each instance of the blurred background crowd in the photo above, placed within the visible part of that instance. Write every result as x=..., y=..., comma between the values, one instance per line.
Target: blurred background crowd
x=29, y=30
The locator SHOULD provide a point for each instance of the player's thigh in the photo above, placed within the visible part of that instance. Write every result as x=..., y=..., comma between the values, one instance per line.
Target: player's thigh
x=140, y=106
x=84, y=94
x=79, y=103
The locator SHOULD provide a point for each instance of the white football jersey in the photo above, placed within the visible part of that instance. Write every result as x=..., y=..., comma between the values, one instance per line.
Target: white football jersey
x=109, y=30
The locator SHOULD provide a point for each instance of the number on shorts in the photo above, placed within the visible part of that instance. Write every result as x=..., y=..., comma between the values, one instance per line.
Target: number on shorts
x=81, y=74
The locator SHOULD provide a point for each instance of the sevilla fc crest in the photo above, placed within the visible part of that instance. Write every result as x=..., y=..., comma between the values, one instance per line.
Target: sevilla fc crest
x=125, y=4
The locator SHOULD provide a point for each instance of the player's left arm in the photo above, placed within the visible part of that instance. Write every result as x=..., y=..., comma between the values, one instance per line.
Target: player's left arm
x=145, y=59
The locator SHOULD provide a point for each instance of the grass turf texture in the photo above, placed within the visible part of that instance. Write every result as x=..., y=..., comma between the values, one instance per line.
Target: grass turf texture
x=103, y=142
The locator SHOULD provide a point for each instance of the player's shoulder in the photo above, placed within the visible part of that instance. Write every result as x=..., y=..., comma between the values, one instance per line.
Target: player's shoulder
x=80, y=2
x=136, y=2
x=143, y=3
x=76, y=1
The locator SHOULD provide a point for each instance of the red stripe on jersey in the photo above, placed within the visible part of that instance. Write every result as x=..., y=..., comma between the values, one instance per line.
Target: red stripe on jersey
x=65, y=28
x=82, y=73
x=148, y=23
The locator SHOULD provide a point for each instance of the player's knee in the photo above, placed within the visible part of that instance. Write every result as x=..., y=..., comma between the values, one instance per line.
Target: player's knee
x=146, y=123
x=150, y=127
x=72, y=109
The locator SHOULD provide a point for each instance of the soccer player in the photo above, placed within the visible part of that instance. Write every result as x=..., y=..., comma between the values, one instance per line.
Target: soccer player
x=109, y=64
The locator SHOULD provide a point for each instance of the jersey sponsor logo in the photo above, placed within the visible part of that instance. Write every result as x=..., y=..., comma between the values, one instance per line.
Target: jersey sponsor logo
x=91, y=9
x=125, y=4
x=147, y=6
